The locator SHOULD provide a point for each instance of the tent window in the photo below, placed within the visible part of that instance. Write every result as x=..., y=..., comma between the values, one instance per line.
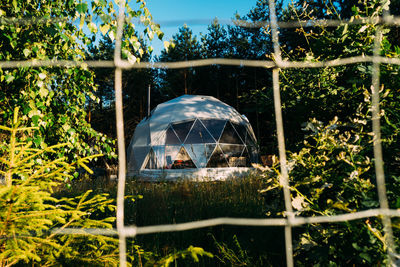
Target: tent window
x=197, y=153
x=159, y=153
x=170, y=154
x=250, y=133
x=209, y=150
x=139, y=155
x=183, y=161
x=241, y=130
x=182, y=129
x=249, y=140
x=230, y=136
x=171, y=138
x=151, y=161
x=198, y=134
x=233, y=154
x=217, y=159
x=215, y=127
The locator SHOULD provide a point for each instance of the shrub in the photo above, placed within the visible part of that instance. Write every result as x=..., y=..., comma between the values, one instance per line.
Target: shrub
x=29, y=212
x=332, y=174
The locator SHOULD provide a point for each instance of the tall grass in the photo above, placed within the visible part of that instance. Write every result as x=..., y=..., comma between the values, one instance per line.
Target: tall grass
x=152, y=203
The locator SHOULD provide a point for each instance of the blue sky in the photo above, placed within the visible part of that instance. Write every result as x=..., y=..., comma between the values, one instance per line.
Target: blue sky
x=167, y=12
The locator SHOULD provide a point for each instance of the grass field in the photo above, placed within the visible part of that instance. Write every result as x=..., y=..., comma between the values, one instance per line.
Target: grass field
x=184, y=201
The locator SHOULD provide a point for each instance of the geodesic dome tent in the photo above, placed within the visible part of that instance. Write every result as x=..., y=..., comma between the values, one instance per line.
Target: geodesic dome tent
x=193, y=136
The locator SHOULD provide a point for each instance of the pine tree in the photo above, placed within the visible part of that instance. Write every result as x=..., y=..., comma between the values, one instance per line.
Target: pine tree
x=185, y=46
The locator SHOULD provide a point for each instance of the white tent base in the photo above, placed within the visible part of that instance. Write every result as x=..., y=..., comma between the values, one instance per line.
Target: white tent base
x=201, y=174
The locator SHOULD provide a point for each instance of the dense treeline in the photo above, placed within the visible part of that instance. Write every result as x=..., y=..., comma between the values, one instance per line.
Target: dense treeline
x=249, y=89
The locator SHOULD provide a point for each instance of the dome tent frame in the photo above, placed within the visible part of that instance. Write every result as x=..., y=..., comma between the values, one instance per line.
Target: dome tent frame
x=194, y=137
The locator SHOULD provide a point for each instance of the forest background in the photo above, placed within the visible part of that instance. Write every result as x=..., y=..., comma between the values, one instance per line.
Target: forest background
x=246, y=89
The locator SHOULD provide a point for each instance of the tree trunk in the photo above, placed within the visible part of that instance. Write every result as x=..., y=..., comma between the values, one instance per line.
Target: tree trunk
x=90, y=112
x=185, y=80
x=218, y=75
x=141, y=107
x=237, y=94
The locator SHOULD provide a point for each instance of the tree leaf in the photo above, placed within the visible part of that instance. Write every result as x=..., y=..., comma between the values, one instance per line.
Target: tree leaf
x=92, y=27
x=42, y=76
x=26, y=52
x=363, y=28
x=9, y=78
x=43, y=92
x=82, y=8
x=104, y=29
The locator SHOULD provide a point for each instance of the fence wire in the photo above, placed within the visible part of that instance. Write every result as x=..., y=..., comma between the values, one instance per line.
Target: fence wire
x=290, y=220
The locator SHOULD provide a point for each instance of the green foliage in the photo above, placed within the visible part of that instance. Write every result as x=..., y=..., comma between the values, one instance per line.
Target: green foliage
x=29, y=211
x=234, y=258
x=331, y=170
x=324, y=93
x=190, y=252
x=54, y=99
x=332, y=174
x=135, y=85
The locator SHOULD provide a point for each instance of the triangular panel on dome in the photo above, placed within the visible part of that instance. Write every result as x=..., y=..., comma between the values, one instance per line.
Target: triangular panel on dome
x=241, y=129
x=215, y=127
x=217, y=159
x=157, y=136
x=197, y=152
x=250, y=132
x=233, y=154
x=250, y=140
x=209, y=150
x=183, y=160
x=139, y=155
x=230, y=136
x=142, y=134
x=182, y=129
x=159, y=151
x=151, y=161
x=170, y=154
x=172, y=138
x=159, y=139
x=198, y=134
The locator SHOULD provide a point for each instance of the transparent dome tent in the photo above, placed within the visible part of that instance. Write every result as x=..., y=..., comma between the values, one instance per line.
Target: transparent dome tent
x=193, y=137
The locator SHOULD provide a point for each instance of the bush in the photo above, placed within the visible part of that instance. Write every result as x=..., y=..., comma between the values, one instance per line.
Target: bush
x=332, y=174
x=29, y=212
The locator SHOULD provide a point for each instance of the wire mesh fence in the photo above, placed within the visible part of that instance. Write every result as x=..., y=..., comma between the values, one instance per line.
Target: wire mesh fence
x=290, y=221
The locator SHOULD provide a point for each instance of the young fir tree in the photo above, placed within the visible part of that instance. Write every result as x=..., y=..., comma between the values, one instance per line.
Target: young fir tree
x=29, y=213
